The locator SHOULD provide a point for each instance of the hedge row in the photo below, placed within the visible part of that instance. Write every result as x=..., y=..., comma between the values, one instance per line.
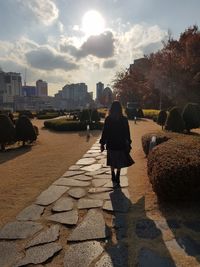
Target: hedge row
x=66, y=125
x=47, y=116
x=174, y=169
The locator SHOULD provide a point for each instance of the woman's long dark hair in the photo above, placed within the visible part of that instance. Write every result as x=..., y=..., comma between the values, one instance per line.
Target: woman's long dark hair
x=115, y=111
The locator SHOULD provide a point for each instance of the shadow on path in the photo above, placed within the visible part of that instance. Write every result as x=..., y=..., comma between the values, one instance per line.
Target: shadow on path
x=138, y=240
x=12, y=153
x=183, y=220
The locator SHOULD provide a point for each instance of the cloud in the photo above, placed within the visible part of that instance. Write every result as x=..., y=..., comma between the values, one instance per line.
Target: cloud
x=109, y=64
x=101, y=46
x=45, y=11
x=47, y=58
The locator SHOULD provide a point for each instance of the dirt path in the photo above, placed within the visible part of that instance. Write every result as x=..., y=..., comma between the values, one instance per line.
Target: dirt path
x=25, y=172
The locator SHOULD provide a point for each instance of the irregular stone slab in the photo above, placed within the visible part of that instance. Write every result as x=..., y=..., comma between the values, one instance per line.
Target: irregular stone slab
x=92, y=227
x=77, y=192
x=91, y=155
x=9, y=253
x=86, y=161
x=68, y=217
x=173, y=245
x=82, y=254
x=103, y=176
x=92, y=168
x=119, y=193
x=115, y=256
x=100, y=157
x=63, y=204
x=149, y=258
x=103, y=161
x=100, y=171
x=50, y=195
x=82, y=177
x=123, y=182
x=93, y=151
x=31, y=213
x=39, y=254
x=102, y=196
x=19, y=230
x=100, y=182
x=89, y=203
x=193, y=225
x=74, y=168
x=146, y=228
x=70, y=182
x=190, y=246
x=47, y=236
x=72, y=173
x=99, y=190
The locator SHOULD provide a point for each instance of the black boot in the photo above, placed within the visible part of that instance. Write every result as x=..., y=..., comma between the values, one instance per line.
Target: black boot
x=118, y=178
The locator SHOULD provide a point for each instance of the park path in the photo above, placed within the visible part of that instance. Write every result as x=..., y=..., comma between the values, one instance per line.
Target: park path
x=79, y=220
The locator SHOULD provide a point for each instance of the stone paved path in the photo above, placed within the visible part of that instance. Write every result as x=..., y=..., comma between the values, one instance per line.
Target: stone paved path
x=80, y=220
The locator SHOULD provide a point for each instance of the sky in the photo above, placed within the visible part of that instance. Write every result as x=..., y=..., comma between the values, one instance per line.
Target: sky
x=73, y=41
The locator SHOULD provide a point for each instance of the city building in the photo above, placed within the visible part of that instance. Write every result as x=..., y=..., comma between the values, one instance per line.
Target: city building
x=28, y=90
x=11, y=86
x=73, y=96
x=99, y=91
x=107, y=97
x=42, y=88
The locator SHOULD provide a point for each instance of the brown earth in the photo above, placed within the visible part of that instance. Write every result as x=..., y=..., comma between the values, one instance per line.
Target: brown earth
x=26, y=172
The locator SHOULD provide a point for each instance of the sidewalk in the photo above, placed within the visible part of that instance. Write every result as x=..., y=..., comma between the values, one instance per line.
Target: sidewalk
x=78, y=221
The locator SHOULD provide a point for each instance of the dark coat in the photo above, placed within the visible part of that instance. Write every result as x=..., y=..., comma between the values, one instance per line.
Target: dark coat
x=116, y=134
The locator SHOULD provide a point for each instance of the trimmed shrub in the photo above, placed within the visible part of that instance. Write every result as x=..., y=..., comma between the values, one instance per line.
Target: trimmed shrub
x=24, y=130
x=27, y=113
x=7, y=131
x=89, y=115
x=140, y=113
x=174, y=121
x=160, y=138
x=66, y=125
x=47, y=116
x=151, y=114
x=162, y=116
x=174, y=169
x=131, y=113
x=191, y=116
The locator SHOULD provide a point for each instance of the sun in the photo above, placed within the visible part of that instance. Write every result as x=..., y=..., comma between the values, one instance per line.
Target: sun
x=93, y=23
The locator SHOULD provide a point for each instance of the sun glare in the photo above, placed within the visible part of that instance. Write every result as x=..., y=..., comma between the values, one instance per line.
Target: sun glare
x=93, y=23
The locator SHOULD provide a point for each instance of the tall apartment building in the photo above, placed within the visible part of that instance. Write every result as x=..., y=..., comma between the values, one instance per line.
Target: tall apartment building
x=42, y=88
x=10, y=86
x=72, y=96
x=99, y=91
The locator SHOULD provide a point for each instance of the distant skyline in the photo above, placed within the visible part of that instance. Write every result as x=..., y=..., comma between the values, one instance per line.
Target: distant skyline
x=65, y=41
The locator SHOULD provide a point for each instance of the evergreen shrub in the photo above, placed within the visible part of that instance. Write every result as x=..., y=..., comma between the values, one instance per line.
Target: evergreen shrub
x=174, y=169
x=7, y=131
x=162, y=116
x=174, y=121
x=24, y=130
x=140, y=113
x=191, y=116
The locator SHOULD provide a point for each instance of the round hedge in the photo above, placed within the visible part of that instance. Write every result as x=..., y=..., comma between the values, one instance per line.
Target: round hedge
x=162, y=116
x=191, y=116
x=174, y=169
x=160, y=138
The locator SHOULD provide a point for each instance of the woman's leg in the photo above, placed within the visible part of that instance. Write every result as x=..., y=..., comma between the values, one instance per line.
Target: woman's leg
x=113, y=173
x=118, y=176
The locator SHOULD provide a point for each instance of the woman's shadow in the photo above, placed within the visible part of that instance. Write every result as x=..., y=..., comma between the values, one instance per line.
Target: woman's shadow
x=136, y=236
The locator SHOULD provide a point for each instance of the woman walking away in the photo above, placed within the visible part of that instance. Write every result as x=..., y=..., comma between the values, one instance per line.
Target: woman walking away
x=116, y=137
